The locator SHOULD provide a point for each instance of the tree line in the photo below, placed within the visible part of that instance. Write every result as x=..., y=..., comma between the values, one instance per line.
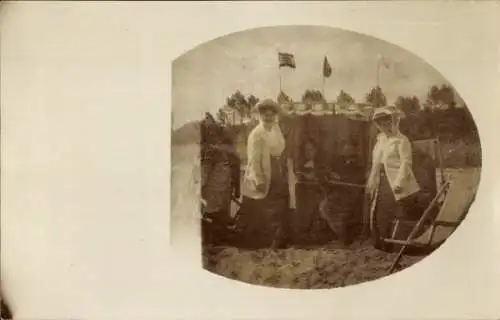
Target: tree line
x=438, y=115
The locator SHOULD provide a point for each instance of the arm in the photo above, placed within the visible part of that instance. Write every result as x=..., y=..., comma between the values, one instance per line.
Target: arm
x=405, y=154
x=376, y=161
x=375, y=168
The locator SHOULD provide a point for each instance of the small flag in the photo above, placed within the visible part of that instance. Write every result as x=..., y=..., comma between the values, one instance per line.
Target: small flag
x=286, y=60
x=327, y=69
x=383, y=62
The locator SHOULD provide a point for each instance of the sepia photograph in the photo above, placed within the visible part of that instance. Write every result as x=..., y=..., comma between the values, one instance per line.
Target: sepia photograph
x=249, y=159
x=327, y=158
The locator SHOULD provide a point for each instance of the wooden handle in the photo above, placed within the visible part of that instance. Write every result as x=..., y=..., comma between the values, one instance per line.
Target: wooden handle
x=333, y=182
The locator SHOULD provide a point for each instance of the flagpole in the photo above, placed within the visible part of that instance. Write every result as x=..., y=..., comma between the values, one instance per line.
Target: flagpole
x=336, y=82
x=279, y=72
x=281, y=80
x=378, y=72
x=323, y=88
x=323, y=76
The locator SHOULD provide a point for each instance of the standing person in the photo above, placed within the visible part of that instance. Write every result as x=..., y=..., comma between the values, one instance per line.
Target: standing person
x=220, y=181
x=265, y=186
x=392, y=185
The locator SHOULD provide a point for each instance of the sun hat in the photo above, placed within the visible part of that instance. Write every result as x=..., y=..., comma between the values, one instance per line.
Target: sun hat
x=268, y=105
x=387, y=111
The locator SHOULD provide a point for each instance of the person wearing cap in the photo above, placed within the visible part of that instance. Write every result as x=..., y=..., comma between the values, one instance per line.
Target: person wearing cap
x=391, y=183
x=265, y=186
x=220, y=168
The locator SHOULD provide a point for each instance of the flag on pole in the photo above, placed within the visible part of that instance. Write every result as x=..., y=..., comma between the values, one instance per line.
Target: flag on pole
x=383, y=62
x=286, y=60
x=327, y=68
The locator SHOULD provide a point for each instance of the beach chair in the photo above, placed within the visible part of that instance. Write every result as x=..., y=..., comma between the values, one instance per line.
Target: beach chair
x=454, y=198
x=455, y=206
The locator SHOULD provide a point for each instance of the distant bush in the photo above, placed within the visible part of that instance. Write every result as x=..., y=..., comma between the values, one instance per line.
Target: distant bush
x=461, y=153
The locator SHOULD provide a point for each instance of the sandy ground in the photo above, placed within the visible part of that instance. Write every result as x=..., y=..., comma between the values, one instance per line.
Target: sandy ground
x=320, y=268
x=314, y=268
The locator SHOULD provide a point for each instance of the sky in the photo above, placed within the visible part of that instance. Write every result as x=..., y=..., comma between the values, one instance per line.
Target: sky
x=248, y=61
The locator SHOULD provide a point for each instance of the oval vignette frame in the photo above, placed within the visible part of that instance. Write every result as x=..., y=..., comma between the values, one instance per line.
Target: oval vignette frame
x=227, y=71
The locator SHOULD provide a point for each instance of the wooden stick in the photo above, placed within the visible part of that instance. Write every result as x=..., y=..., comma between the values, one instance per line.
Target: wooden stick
x=437, y=148
x=395, y=230
x=431, y=234
x=236, y=201
x=417, y=227
x=238, y=213
x=441, y=223
x=366, y=200
x=347, y=184
x=341, y=183
x=404, y=242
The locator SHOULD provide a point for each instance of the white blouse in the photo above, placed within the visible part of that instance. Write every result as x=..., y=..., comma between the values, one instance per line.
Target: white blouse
x=274, y=140
x=394, y=155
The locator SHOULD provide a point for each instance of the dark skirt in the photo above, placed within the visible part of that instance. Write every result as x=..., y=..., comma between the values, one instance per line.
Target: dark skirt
x=387, y=210
x=263, y=222
x=217, y=191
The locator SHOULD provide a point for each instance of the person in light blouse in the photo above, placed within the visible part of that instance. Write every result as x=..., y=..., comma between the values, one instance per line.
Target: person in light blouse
x=265, y=184
x=391, y=185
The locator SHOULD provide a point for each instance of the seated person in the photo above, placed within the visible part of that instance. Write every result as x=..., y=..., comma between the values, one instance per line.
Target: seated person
x=308, y=193
x=342, y=204
x=307, y=169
